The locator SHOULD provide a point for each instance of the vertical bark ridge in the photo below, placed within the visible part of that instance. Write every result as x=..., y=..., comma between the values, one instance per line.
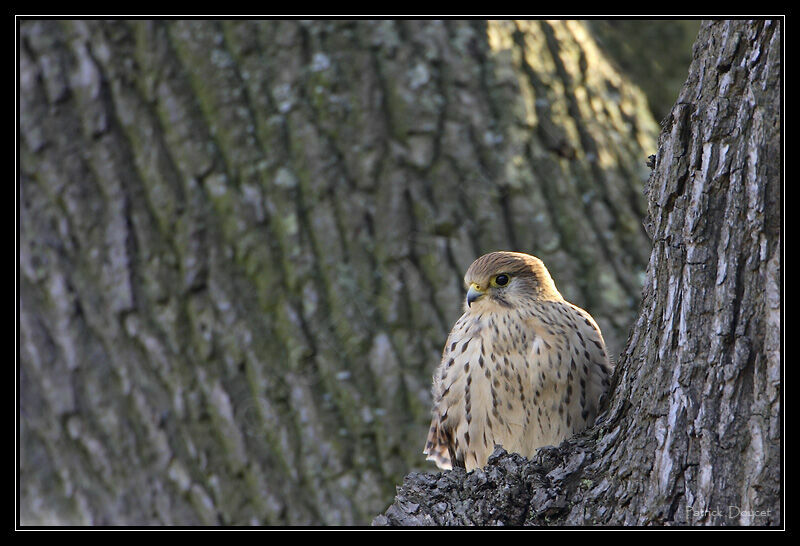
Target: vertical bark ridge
x=704, y=398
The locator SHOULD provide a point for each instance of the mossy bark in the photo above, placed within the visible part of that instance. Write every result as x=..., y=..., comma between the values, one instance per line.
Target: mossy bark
x=242, y=245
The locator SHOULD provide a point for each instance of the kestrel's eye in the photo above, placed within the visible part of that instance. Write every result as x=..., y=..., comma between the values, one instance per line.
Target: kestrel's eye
x=501, y=280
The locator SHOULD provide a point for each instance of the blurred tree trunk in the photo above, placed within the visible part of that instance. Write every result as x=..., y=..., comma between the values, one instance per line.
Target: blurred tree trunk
x=693, y=433
x=655, y=54
x=242, y=246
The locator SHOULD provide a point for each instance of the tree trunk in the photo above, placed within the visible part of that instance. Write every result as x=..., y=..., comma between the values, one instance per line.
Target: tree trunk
x=635, y=47
x=693, y=432
x=242, y=245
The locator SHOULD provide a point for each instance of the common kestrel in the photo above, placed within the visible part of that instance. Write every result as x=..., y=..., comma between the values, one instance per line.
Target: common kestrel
x=522, y=367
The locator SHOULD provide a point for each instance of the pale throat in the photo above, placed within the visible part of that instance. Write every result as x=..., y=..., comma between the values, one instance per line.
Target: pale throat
x=491, y=323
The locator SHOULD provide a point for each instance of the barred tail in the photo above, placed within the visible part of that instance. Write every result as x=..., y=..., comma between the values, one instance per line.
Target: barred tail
x=437, y=446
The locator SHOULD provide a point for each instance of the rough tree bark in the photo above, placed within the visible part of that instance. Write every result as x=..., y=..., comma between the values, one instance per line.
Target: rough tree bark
x=693, y=432
x=242, y=245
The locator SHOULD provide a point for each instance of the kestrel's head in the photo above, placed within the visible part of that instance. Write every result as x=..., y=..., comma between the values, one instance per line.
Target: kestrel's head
x=508, y=279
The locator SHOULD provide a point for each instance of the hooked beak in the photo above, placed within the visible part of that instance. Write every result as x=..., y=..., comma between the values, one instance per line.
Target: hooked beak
x=474, y=293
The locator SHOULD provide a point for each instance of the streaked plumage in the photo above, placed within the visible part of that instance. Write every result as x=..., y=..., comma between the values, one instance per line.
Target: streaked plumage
x=522, y=367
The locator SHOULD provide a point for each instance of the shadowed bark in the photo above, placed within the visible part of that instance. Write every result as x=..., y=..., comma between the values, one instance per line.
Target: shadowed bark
x=693, y=432
x=242, y=247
